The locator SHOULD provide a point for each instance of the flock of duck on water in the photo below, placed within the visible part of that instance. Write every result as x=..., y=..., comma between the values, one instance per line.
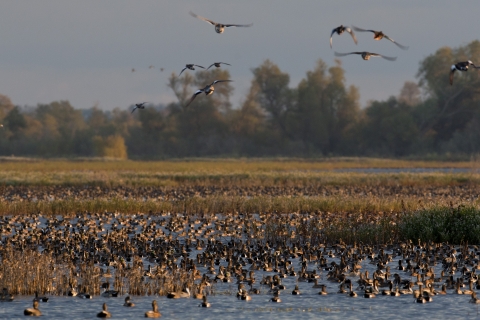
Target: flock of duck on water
x=377, y=35
x=197, y=254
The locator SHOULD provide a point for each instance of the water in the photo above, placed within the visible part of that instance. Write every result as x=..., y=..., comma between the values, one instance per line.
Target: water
x=308, y=305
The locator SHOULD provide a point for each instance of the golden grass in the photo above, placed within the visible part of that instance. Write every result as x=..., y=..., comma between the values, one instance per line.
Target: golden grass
x=227, y=204
x=225, y=165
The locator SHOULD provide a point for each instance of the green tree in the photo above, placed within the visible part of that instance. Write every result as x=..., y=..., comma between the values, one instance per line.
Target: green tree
x=111, y=147
x=326, y=109
x=449, y=108
x=274, y=96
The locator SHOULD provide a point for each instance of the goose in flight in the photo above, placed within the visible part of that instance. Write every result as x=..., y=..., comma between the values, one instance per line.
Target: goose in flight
x=208, y=90
x=139, y=106
x=219, y=27
x=366, y=55
x=191, y=67
x=379, y=35
x=341, y=29
x=217, y=64
x=460, y=66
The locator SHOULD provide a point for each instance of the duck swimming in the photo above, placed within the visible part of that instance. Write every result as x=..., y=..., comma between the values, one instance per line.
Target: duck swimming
x=5, y=296
x=217, y=64
x=366, y=55
x=37, y=298
x=379, y=35
x=341, y=29
x=190, y=66
x=205, y=303
x=128, y=302
x=154, y=313
x=219, y=27
x=208, y=90
x=104, y=313
x=460, y=66
x=33, y=311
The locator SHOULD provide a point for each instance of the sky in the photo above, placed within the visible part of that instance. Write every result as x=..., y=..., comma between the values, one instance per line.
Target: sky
x=83, y=51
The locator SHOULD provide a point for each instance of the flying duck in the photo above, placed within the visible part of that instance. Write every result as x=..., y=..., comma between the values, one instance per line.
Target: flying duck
x=366, y=55
x=191, y=67
x=217, y=64
x=460, y=66
x=208, y=90
x=340, y=30
x=139, y=106
x=379, y=35
x=219, y=27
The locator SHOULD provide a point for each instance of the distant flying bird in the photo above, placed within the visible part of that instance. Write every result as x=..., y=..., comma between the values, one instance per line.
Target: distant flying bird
x=461, y=66
x=150, y=67
x=219, y=27
x=208, y=90
x=340, y=30
x=379, y=35
x=366, y=55
x=217, y=64
x=133, y=69
x=191, y=67
x=139, y=106
x=161, y=69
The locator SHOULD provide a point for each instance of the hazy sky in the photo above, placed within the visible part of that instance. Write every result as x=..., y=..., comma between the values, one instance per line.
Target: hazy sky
x=83, y=50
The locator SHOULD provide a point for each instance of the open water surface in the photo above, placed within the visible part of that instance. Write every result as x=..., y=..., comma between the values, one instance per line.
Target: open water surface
x=308, y=305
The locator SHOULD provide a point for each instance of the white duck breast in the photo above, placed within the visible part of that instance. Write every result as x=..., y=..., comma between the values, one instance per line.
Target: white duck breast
x=219, y=27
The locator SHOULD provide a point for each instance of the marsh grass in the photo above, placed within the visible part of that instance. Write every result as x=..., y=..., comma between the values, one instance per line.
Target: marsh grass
x=221, y=204
x=442, y=224
x=288, y=172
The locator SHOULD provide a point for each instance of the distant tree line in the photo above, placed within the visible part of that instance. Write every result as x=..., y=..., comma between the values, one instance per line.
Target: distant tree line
x=320, y=117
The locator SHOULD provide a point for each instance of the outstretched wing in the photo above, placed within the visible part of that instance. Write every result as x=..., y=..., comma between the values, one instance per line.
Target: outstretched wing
x=385, y=57
x=182, y=71
x=338, y=54
x=225, y=63
x=398, y=44
x=133, y=110
x=217, y=81
x=238, y=25
x=202, y=18
x=452, y=71
x=194, y=96
x=331, y=36
x=211, y=66
x=199, y=66
x=352, y=34
x=362, y=30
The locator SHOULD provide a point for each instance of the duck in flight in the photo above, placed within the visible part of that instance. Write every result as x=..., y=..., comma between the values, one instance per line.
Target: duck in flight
x=139, y=106
x=460, y=66
x=208, y=90
x=366, y=55
x=379, y=35
x=341, y=29
x=219, y=27
x=190, y=66
x=217, y=64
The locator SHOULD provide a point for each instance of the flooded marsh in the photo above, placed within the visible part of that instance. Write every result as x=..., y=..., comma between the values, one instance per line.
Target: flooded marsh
x=240, y=245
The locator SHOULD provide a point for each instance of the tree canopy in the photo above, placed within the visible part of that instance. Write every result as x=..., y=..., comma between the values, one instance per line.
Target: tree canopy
x=321, y=116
